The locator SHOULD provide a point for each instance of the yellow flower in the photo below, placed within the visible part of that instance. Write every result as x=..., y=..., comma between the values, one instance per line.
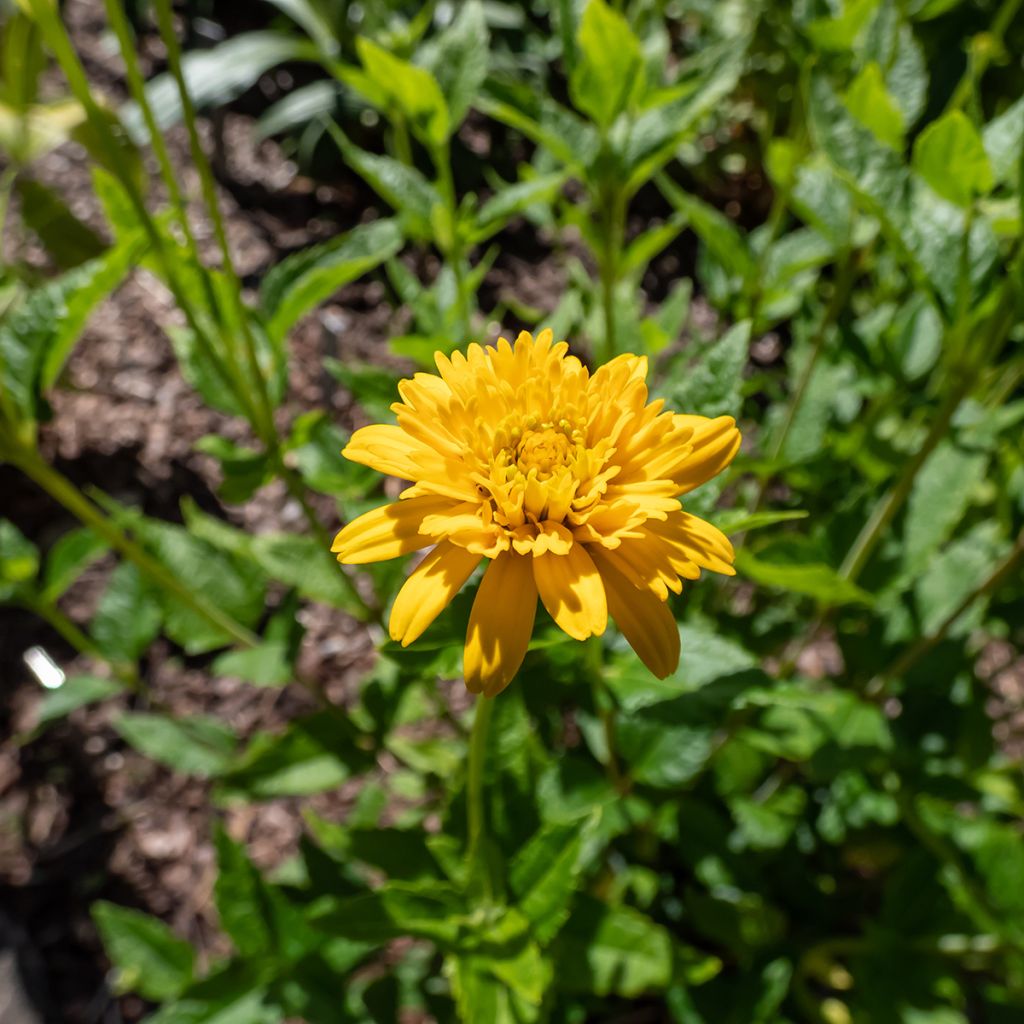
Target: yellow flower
x=568, y=481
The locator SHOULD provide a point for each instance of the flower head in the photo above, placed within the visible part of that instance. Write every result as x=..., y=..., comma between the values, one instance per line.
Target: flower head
x=569, y=482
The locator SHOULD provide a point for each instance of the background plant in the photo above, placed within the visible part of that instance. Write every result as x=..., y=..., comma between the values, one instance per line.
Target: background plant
x=808, y=216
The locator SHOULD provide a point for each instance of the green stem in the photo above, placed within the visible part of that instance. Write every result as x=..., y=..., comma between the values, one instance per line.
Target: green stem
x=264, y=422
x=977, y=62
x=65, y=492
x=605, y=707
x=613, y=231
x=453, y=253
x=837, y=303
x=476, y=824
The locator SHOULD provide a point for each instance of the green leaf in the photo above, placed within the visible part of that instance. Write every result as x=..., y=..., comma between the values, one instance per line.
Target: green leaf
x=312, y=755
x=68, y=559
x=129, y=615
x=815, y=579
x=1003, y=138
x=75, y=692
x=244, y=470
x=950, y=156
x=232, y=995
x=608, y=76
x=710, y=386
x=514, y=199
x=216, y=76
x=19, y=559
x=870, y=103
x=150, y=959
x=611, y=951
x=839, y=34
x=303, y=563
x=403, y=89
x=199, y=745
x=300, y=282
x=232, y=583
x=398, y=909
x=661, y=128
x=36, y=338
x=242, y=898
x=267, y=664
x=544, y=875
x=721, y=237
x=940, y=497
x=460, y=60
x=736, y=520
x=69, y=241
x=401, y=186
x=954, y=574
x=768, y=824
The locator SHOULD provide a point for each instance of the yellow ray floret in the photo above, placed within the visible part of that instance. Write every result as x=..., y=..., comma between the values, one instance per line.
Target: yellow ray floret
x=568, y=482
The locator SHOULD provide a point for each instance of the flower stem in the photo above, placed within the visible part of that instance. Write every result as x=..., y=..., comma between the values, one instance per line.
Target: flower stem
x=476, y=824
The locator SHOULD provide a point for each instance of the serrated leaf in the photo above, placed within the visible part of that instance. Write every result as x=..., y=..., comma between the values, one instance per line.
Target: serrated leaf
x=129, y=615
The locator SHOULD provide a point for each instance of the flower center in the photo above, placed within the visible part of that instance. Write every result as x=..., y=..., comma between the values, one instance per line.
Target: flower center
x=544, y=451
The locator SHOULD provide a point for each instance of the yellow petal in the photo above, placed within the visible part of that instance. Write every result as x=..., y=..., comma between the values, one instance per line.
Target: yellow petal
x=715, y=444
x=385, y=448
x=571, y=589
x=500, y=624
x=643, y=620
x=387, y=532
x=427, y=591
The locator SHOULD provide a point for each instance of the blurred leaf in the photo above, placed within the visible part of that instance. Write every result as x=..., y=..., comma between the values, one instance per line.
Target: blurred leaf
x=939, y=499
x=736, y=520
x=232, y=995
x=513, y=199
x=69, y=558
x=306, y=13
x=214, y=77
x=302, y=562
x=36, y=338
x=1003, y=137
x=608, y=75
x=949, y=155
x=710, y=385
x=374, y=387
x=312, y=755
x=460, y=60
x=150, y=959
x=267, y=664
x=75, y=692
x=401, y=186
x=233, y=584
x=839, y=33
x=545, y=874
x=244, y=470
x=399, y=88
x=19, y=560
x=129, y=615
x=870, y=103
x=199, y=745
x=816, y=580
x=611, y=950
x=242, y=898
x=300, y=282
x=67, y=239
